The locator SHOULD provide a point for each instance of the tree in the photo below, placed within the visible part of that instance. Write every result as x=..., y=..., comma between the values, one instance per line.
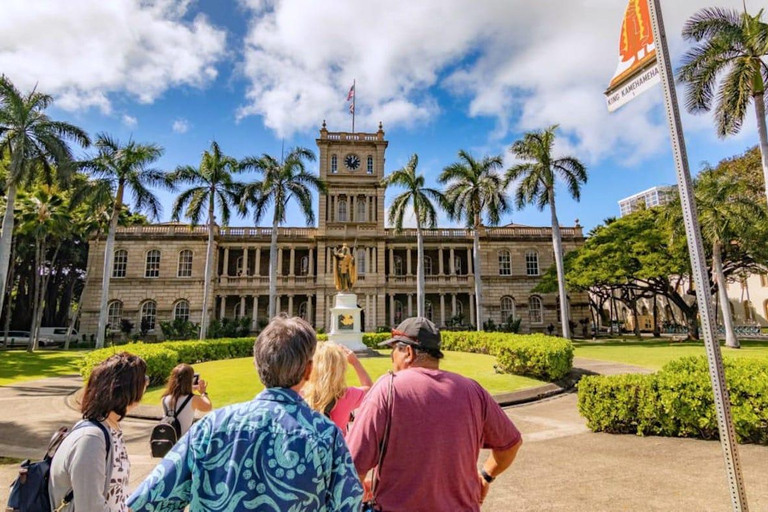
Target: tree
x=33, y=143
x=124, y=168
x=212, y=185
x=420, y=198
x=279, y=183
x=732, y=46
x=537, y=174
x=474, y=188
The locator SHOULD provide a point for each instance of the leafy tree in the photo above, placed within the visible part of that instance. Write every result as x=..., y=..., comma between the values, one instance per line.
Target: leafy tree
x=124, y=168
x=537, y=173
x=33, y=144
x=732, y=46
x=212, y=185
x=474, y=189
x=420, y=198
x=278, y=184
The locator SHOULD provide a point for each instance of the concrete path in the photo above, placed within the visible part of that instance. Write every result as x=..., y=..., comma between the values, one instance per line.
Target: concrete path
x=562, y=465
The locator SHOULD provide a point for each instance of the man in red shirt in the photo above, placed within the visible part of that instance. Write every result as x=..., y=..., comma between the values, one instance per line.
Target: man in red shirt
x=438, y=422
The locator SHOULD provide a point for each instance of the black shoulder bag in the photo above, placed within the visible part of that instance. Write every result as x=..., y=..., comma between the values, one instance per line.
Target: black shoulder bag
x=371, y=505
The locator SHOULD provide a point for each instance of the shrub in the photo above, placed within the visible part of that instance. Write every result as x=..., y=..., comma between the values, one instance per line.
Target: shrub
x=160, y=360
x=614, y=404
x=534, y=355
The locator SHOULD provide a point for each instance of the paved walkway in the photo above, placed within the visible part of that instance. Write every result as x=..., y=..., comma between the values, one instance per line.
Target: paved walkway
x=562, y=465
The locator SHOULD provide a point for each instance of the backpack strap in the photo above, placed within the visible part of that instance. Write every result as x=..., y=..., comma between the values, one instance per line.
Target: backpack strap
x=329, y=408
x=183, y=405
x=71, y=494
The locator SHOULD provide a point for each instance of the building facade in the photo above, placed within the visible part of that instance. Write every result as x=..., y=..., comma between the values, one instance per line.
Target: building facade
x=158, y=271
x=655, y=196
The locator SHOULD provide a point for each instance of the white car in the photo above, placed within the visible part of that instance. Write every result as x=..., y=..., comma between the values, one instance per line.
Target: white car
x=21, y=339
x=58, y=334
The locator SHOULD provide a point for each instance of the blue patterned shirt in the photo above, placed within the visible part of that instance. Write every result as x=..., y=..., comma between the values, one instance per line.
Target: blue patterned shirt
x=273, y=453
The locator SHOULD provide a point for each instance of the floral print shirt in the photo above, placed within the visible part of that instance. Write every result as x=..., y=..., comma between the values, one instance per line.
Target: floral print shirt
x=121, y=472
x=273, y=453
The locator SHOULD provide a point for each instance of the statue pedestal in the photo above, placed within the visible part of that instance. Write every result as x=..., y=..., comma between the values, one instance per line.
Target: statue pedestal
x=345, y=323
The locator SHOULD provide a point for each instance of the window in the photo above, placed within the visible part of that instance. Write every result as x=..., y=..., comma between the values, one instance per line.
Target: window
x=398, y=311
x=361, y=261
x=370, y=164
x=334, y=164
x=459, y=309
x=429, y=311
x=361, y=207
x=505, y=263
x=644, y=311
x=148, y=315
x=239, y=266
x=120, y=263
x=427, y=265
x=457, y=265
x=181, y=311
x=534, y=310
x=532, y=263
x=342, y=210
x=304, y=267
x=303, y=310
x=185, y=263
x=153, y=264
x=398, y=266
x=115, y=315
x=507, y=309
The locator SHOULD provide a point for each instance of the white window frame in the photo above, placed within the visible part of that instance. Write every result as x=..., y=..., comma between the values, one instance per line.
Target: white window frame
x=152, y=268
x=120, y=264
x=183, y=303
x=507, y=311
x=398, y=270
x=532, y=263
x=334, y=164
x=360, y=215
x=342, y=210
x=114, y=319
x=143, y=313
x=538, y=310
x=505, y=263
x=361, y=261
x=428, y=267
x=185, y=267
x=370, y=169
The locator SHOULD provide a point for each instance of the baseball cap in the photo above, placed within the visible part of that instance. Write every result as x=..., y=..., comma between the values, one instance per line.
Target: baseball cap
x=417, y=331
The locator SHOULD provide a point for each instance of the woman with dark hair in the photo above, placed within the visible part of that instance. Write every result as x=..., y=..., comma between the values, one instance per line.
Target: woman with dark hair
x=180, y=397
x=87, y=473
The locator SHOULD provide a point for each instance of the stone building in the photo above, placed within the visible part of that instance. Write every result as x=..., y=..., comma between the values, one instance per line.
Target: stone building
x=158, y=269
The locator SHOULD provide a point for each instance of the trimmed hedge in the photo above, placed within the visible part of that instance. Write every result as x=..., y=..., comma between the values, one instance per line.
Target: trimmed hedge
x=677, y=401
x=535, y=355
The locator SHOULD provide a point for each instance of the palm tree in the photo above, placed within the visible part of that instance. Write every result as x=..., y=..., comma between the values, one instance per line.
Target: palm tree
x=474, y=188
x=212, y=185
x=537, y=173
x=420, y=199
x=124, y=167
x=733, y=46
x=279, y=183
x=33, y=143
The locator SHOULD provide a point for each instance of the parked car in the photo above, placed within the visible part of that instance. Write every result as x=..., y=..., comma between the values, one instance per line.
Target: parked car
x=58, y=334
x=21, y=339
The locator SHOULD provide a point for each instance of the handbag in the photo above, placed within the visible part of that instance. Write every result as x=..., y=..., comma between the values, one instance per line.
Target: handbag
x=371, y=505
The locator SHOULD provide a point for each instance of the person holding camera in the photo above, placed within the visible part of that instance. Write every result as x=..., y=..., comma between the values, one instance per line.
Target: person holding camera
x=180, y=395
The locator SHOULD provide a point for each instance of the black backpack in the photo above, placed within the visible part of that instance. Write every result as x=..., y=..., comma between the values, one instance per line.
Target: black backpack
x=29, y=492
x=168, y=431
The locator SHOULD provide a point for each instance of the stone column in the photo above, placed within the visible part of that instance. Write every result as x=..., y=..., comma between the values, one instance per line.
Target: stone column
x=292, y=261
x=442, y=309
x=472, y=309
x=367, y=309
x=242, y=306
x=452, y=262
x=469, y=261
x=453, y=305
x=226, y=262
x=310, y=314
x=391, y=261
x=352, y=209
x=223, y=307
x=254, y=316
x=257, y=270
x=279, y=261
x=392, y=309
x=440, y=260
x=410, y=304
x=408, y=262
x=311, y=270
x=290, y=305
x=277, y=305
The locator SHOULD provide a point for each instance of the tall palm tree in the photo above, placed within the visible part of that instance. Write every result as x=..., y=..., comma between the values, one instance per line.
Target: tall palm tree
x=278, y=184
x=474, y=188
x=537, y=172
x=124, y=168
x=33, y=143
x=420, y=198
x=732, y=46
x=212, y=185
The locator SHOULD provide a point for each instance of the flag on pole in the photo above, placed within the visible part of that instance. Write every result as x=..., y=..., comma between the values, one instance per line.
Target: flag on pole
x=637, y=70
x=351, y=97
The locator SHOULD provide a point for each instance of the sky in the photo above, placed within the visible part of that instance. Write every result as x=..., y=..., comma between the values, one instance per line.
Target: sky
x=260, y=75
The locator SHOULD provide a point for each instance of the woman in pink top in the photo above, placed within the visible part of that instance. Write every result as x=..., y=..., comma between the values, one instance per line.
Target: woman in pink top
x=327, y=390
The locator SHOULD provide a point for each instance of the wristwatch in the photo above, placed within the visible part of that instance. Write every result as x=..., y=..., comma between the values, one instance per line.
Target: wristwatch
x=488, y=478
x=204, y=393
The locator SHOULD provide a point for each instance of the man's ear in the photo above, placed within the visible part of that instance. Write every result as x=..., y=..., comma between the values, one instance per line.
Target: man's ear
x=308, y=370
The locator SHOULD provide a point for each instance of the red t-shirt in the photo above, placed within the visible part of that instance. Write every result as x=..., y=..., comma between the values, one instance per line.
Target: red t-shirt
x=345, y=405
x=440, y=421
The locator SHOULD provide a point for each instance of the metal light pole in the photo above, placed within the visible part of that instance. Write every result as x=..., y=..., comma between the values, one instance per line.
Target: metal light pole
x=698, y=266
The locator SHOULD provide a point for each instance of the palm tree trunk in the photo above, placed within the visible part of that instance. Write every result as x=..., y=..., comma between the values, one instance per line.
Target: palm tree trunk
x=109, y=256
x=722, y=292
x=45, y=278
x=32, y=344
x=420, y=293
x=762, y=131
x=558, y=245
x=478, y=277
x=6, y=239
x=273, y=269
x=8, y=290
x=208, y=269
x=81, y=300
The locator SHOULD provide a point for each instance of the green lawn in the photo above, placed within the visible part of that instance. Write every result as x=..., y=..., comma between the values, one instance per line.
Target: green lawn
x=235, y=380
x=18, y=365
x=654, y=353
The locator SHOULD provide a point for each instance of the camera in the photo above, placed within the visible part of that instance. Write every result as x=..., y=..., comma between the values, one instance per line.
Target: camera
x=196, y=379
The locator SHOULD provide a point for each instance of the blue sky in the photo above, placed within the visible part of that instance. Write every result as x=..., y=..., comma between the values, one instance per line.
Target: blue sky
x=255, y=73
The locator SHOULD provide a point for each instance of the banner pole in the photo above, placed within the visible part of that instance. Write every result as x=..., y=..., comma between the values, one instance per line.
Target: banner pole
x=698, y=266
x=354, y=99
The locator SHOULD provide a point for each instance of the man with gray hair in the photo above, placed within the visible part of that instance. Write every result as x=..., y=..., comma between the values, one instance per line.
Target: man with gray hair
x=272, y=453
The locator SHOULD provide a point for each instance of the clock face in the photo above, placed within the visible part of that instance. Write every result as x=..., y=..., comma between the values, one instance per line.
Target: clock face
x=352, y=161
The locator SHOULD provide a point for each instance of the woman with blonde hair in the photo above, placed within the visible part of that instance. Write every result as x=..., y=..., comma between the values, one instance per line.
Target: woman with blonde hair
x=327, y=391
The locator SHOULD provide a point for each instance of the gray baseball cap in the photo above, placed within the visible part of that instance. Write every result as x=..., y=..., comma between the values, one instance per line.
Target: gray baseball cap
x=417, y=331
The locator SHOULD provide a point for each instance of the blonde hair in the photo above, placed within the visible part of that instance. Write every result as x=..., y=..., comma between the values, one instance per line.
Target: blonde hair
x=327, y=382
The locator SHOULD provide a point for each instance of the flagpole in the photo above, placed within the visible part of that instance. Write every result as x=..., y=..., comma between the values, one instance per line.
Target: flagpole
x=354, y=97
x=698, y=266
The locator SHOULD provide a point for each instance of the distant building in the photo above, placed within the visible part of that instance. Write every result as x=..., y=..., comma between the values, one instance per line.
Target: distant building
x=647, y=199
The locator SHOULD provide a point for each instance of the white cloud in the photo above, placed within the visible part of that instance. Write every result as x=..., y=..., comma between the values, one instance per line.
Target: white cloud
x=180, y=126
x=83, y=51
x=130, y=121
x=526, y=64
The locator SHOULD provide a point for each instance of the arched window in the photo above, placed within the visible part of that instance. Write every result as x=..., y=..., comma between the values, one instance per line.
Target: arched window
x=239, y=266
x=429, y=311
x=398, y=266
x=181, y=311
x=303, y=310
x=120, y=263
x=342, y=210
x=534, y=311
x=398, y=311
x=334, y=164
x=304, y=267
x=185, y=263
x=457, y=265
x=361, y=207
x=148, y=315
x=153, y=264
x=427, y=265
x=532, y=263
x=459, y=309
x=505, y=263
x=370, y=164
x=507, y=309
x=644, y=311
x=361, y=263
x=115, y=315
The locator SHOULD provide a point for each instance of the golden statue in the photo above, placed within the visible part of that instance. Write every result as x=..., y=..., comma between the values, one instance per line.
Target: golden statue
x=344, y=269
